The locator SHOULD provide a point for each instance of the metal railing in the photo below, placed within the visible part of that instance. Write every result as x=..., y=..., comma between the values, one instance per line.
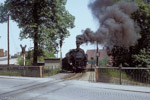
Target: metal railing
x=123, y=75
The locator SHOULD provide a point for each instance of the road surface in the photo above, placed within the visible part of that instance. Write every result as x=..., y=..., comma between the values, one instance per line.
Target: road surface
x=22, y=88
x=3, y=60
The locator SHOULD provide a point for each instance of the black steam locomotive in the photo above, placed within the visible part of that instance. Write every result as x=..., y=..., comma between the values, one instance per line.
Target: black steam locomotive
x=75, y=60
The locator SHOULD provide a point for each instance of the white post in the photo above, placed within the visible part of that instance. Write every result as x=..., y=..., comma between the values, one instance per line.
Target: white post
x=95, y=73
x=24, y=56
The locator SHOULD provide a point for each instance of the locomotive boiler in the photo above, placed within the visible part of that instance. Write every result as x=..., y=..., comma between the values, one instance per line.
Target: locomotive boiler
x=75, y=60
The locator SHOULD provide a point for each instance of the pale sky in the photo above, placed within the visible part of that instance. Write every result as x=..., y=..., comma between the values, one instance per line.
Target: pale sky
x=83, y=20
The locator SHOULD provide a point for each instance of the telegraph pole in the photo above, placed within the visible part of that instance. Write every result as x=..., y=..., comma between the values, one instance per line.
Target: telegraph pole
x=61, y=50
x=97, y=55
x=8, y=38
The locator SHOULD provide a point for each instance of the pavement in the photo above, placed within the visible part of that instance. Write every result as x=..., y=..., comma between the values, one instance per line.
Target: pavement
x=13, y=83
x=7, y=84
x=3, y=58
x=52, y=88
x=140, y=89
x=4, y=61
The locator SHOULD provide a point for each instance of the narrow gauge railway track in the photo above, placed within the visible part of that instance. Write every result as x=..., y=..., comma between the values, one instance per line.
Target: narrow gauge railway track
x=14, y=93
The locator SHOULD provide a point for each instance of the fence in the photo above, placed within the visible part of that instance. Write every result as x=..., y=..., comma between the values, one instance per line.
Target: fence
x=26, y=71
x=29, y=71
x=50, y=70
x=123, y=75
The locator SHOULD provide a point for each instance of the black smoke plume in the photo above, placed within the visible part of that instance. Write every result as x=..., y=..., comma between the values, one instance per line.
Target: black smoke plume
x=116, y=28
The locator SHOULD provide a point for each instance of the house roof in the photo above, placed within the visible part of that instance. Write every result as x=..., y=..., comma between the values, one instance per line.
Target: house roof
x=92, y=53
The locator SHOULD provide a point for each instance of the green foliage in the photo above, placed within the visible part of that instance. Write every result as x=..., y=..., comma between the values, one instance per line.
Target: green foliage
x=136, y=55
x=46, y=54
x=20, y=61
x=103, y=62
x=140, y=52
x=45, y=21
x=145, y=6
x=3, y=13
x=29, y=59
x=142, y=59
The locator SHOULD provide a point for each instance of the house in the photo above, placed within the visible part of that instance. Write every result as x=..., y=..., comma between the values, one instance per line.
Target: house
x=92, y=53
x=1, y=52
x=52, y=62
x=102, y=56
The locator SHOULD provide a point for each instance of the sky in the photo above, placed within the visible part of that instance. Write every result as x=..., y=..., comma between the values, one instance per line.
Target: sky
x=83, y=20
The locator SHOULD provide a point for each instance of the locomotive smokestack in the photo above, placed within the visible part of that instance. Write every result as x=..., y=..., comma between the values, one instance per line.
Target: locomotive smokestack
x=77, y=45
x=116, y=28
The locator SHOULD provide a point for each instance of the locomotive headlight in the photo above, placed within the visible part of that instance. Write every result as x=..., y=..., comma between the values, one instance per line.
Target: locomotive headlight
x=70, y=63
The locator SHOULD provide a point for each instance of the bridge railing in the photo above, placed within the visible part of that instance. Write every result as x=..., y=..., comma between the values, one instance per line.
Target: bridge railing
x=123, y=75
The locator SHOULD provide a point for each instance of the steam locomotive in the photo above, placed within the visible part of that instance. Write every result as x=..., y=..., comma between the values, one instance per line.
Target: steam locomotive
x=75, y=60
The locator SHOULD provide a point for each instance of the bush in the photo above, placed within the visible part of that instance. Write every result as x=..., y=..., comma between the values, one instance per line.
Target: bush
x=103, y=62
x=28, y=62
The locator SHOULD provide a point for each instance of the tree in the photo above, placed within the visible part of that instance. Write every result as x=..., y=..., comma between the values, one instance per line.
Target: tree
x=142, y=59
x=139, y=54
x=132, y=55
x=44, y=21
x=104, y=62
